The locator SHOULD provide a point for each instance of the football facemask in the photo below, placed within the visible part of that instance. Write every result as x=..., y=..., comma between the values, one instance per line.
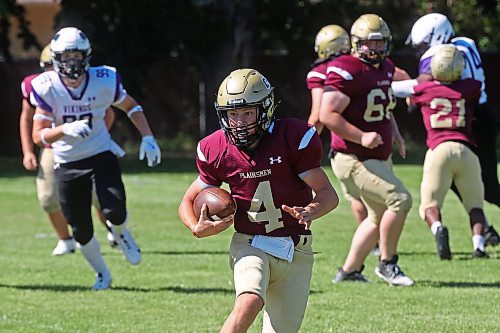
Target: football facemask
x=370, y=27
x=70, y=40
x=245, y=88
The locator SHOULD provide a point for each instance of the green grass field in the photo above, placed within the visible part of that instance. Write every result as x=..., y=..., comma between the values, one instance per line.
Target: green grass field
x=185, y=285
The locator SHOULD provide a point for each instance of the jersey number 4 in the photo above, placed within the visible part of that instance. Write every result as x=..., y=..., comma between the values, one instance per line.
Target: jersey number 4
x=263, y=198
x=376, y=106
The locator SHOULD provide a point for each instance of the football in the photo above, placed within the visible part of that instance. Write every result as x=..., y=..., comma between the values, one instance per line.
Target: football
x=219, y=203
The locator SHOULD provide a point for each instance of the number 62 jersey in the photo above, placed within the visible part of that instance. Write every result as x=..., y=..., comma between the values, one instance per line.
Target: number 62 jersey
x=266, y=178
x=101, y=89
x=371, y=102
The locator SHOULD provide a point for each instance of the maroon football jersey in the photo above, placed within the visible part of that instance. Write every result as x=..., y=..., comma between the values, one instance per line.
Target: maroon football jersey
x=317, y=75
x=372, y=101
x=26, y=87
x=447, y=110
x=266, y=178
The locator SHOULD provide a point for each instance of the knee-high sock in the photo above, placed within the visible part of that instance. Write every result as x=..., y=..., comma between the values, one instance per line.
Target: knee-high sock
x=92, y=252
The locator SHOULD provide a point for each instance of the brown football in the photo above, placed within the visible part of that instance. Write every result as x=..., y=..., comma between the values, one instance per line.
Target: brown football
x=219, y=202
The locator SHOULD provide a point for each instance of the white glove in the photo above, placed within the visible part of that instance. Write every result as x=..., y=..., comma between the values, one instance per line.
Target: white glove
x=150, y=150
x=77, y=128
x=116, y=149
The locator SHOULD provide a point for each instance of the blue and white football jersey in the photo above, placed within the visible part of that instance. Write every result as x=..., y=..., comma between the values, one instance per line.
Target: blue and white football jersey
x=473, y=67
x=101, y=89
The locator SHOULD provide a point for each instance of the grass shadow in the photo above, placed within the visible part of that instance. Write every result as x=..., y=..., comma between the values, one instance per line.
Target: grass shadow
x=458, y=284
x=181, y=253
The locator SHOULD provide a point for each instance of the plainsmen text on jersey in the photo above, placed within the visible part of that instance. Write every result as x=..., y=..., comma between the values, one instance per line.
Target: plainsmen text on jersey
x=317, y=75
x=26, y=87
x=265, y=179
x=371, y=104
x=101, y=89
x=447, y=110
x=473, y=66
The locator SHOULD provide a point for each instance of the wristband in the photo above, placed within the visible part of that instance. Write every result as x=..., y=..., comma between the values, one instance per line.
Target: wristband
x=135, y=109
x=42, y=136
x=39, y=116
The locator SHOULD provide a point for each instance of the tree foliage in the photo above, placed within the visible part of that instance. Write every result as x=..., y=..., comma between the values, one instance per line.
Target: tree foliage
x=209, y=38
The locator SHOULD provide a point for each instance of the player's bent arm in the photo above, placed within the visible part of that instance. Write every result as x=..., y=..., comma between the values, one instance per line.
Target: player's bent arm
x=202, y=227
x=333, y=104
x=325, y=199
x=26, y=129
x=400, y=74
x=134, y=112
x=397, y=137
x=43, y=132
x=325, y=196
x=316, y=94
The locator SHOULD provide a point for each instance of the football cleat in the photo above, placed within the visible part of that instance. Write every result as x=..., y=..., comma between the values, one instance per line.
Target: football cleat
x=376, y=251
x=442, y=243
x=391, y=273
x=127, y=244
x=103, y=281
x=480, y=254
x=64, y=246
x=491, y=236
x=355, y=276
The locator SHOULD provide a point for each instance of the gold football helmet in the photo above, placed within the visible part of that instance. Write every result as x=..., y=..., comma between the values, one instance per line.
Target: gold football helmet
x=447, y=64
x=332, y=40
x=370, y=27
x=45, y=57
x=243, y=88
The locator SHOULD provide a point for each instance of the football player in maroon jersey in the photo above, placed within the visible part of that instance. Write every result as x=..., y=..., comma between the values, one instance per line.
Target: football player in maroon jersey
x=447, y=106
x=331, y=41
x=272, y=168
x=357, y=107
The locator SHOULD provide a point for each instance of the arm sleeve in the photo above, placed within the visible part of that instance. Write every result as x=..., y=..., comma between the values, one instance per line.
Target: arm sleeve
x=403, y=88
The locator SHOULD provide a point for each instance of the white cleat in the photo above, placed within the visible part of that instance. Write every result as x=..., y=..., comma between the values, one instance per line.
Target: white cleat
x=129, y=247
x=127, y=244
x=103, y=281
x=64, y=246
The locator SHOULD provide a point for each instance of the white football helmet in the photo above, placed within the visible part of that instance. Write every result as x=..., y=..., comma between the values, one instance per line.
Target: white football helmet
x=431, y=29
x=70, y=40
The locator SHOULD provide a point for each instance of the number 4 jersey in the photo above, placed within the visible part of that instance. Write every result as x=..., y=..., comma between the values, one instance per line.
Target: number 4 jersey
x=266, y=178
x=371, y=102
x=101, y=89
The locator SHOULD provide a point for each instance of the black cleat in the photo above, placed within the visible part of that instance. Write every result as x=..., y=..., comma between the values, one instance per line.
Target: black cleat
x=491, y=236
x=443, y=243
x=355, y=276
x=480, y=254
